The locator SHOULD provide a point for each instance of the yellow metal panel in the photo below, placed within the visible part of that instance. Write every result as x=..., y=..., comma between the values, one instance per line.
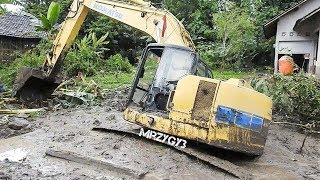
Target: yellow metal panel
x=244, y=99
x=184, y=98
x=168, y=126
x=239, y=82
x=217, y=136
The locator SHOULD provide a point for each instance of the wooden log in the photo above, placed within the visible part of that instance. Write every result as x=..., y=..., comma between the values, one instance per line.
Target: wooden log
x=20, y=111
x=8, y=100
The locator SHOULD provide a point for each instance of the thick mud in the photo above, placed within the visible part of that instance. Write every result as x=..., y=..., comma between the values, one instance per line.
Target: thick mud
x=22, y=152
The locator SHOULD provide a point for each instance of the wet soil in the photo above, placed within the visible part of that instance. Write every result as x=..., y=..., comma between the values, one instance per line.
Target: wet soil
x=6, y=131
x=71, y=130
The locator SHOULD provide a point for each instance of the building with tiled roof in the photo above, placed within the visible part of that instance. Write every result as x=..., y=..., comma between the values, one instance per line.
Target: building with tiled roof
x=17, y=33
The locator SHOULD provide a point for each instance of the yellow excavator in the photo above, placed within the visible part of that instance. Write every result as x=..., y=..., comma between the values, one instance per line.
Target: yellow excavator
x=173, y=91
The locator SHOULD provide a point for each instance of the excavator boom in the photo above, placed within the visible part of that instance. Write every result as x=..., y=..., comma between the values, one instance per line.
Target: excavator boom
x=160, y=24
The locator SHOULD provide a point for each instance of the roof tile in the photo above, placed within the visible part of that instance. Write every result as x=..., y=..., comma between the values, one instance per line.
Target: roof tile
x=20, y=26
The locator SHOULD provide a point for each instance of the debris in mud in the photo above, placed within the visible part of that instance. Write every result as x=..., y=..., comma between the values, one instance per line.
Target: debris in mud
x=216, y=162
x=96, y=123
x=2, y=88
x=13, y=126
x=64, y=138
x=79, y=91
x=14, y=170
x=161, y=161
x=18, y=124
x=24, y=116
x=70, y=130
x=78, y=97
x=111, y=117
x=4, y=120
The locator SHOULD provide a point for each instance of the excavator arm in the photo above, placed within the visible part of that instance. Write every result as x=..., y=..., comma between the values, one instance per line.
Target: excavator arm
x=160, y=24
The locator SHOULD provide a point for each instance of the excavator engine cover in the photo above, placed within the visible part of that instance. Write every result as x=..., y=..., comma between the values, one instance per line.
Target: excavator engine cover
x=32, y=85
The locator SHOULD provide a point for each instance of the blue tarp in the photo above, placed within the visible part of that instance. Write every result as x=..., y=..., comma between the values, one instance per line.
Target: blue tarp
x=243, y=119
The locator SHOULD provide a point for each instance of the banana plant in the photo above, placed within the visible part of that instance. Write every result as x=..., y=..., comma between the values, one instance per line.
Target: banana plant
x=51, y=19
x=94, y=43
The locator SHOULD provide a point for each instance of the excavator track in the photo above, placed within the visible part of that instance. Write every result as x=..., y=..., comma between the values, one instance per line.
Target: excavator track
x=190, y=151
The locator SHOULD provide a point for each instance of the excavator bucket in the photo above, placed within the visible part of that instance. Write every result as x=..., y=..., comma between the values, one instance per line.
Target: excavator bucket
x=33, y=85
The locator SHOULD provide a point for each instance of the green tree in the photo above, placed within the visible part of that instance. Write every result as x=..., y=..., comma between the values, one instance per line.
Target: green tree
x=243, y=45
x=235, y=44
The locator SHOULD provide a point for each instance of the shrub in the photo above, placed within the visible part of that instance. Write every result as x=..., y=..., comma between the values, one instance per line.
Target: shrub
x=88, y=62
x=117, y=63
x=82, y=60
x=85, y=55
x=33, y=58
x=297, y=97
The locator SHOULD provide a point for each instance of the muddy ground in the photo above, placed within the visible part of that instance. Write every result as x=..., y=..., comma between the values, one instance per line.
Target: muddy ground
x=22, y=151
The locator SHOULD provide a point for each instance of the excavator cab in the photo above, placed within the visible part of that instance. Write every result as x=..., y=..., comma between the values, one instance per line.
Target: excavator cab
x=160, y=69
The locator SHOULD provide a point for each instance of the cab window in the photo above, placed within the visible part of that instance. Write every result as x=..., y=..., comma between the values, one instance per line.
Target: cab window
x=203, y=70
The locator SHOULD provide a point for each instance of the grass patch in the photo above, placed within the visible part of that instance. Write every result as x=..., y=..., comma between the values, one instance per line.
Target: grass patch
x=225, y=75
x=113, y=81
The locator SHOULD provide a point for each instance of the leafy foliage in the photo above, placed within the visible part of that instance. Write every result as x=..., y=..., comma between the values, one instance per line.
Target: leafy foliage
x=32, y=58
x=235, y=45
x=40, y=7
x=9, y=2
x=2, y=11
x=228, y=33
x=125, y=40
x=51, y=19
x=196, y=16
x=87, y=56
x=117, y=63
x=295, y=96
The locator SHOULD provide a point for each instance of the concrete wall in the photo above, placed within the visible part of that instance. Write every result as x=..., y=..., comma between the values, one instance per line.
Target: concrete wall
x=318, y=60
x=302, y=41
